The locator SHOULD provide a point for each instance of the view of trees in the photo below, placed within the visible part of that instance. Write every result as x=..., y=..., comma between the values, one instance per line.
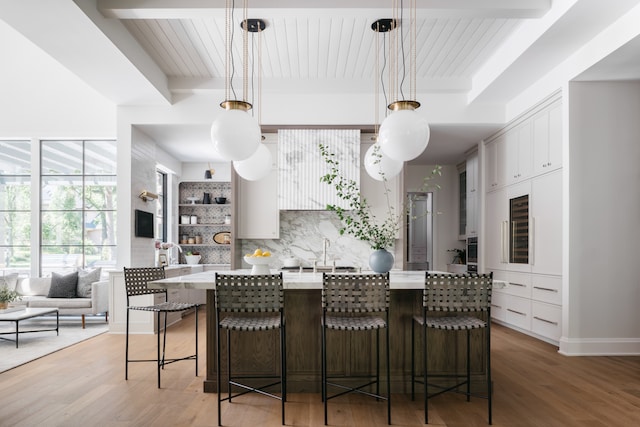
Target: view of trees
x=77, y=204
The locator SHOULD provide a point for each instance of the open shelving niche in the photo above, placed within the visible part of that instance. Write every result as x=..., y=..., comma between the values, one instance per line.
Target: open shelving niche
x=210, y=220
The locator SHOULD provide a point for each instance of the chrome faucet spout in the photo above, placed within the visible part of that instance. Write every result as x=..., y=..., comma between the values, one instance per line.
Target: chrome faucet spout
x=325, y=244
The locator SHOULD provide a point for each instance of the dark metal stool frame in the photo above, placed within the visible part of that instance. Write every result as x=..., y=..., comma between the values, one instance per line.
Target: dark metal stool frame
x=455, y=294
x=249, y=303
x=348, y=301
x=136, y=280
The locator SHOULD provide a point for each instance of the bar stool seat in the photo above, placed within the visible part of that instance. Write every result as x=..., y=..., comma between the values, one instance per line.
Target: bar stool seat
x=251, y=323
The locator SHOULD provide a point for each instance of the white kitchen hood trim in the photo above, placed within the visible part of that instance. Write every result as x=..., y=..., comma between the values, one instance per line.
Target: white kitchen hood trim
x=301, y=166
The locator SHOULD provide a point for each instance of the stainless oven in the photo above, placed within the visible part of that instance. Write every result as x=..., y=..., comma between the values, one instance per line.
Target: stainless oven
x=472, y=254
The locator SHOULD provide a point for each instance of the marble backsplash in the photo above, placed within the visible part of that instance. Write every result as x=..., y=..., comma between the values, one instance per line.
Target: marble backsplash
x=301, y=236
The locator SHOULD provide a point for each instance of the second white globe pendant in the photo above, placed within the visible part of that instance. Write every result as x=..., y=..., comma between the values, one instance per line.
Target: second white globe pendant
x=257, y=166
x=379, y=166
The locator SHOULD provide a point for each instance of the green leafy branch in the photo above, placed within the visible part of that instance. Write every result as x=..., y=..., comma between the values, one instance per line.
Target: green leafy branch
x=358, y=219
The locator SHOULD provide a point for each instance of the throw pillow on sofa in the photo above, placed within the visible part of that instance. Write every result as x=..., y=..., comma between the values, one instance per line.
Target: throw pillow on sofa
x=63, y=286
x=85, y=279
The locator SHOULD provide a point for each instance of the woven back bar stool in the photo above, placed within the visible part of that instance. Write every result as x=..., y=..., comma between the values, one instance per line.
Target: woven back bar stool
x=136, y=280
x=249, y=303
x=356, y=303
x=462, y=298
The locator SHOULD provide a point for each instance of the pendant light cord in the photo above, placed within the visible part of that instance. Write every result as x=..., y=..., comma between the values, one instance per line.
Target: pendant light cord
x=230, y=69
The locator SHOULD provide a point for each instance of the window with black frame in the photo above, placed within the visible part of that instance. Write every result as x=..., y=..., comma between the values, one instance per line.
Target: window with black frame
x=161, y=206
x=78, y=202
x=15, y=207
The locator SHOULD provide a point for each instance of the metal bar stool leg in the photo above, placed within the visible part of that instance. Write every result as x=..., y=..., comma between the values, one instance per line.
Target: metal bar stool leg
x=413, y=360
x=196, y=340
x=489, y=384
x=283, y=374
x=468, y=367
x=159, y=364
x=425, y=375
x=324, y=371
x=126, y=350
x=378, y=362
x=218, y=373
x=388, y=378
x=229, y=364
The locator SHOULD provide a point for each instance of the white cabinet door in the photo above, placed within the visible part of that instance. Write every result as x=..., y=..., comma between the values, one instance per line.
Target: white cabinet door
x=496, y=217
x=495, y=163
x=472, y=195
x=518, y=153
x=547, y=140
x=472, y=173
x=555, y=137
x=546, y=229
x=258, y=213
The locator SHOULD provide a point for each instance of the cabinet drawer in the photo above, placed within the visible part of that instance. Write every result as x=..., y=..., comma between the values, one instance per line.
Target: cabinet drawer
x=546, y=320
x=499, y=306
x=519, y=284
x=546, y=289
x=518, y=312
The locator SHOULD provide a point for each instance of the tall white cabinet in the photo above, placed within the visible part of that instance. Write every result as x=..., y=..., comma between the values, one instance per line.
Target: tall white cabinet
x=522, y=160
x=259, y=215
x=472, y=195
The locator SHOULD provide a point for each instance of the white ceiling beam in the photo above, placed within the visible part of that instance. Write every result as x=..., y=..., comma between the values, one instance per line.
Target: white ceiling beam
x=189, y=9
x=202, y=86
x=98, y=57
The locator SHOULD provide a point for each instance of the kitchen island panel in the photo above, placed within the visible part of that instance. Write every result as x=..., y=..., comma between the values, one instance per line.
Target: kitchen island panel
x=350, y=353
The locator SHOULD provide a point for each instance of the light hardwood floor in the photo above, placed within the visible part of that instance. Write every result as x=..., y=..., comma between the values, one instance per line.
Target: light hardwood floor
x=534, y=386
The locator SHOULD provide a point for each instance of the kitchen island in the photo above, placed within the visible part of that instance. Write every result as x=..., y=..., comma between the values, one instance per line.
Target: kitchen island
x=303, y=311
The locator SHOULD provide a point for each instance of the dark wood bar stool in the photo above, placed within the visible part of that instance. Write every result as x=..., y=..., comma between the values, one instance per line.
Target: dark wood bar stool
x=350, y=303
x=249, y=303
x=136, y=280
x=458, y=297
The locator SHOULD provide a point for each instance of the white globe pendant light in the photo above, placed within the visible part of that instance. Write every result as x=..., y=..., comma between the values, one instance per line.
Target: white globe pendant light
x=255, y=167
x=235, y=133
x=404, y=134
x=379, y=166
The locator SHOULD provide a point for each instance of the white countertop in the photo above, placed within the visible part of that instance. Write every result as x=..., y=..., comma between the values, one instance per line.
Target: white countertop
x=295, y=280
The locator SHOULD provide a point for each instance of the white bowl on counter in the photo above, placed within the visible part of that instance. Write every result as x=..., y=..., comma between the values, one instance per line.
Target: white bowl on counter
x=193, y=259
x=260, y=265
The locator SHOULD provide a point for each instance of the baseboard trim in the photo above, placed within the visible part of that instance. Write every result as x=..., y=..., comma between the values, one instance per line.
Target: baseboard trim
x=599, y=346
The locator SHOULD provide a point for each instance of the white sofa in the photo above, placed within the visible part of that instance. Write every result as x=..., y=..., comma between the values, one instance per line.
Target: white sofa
x=34, y=291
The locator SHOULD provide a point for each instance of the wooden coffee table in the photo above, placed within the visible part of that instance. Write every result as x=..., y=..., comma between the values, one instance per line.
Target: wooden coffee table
x=28, y=313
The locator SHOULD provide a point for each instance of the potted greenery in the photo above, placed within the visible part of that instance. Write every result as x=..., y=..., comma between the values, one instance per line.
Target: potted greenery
x=6, y=296
x=458, y=263
x=359, y=221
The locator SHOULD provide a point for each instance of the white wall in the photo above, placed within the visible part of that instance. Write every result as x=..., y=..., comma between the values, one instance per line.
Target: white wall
x=41, y=99
x=143, y=177
x=602, y=290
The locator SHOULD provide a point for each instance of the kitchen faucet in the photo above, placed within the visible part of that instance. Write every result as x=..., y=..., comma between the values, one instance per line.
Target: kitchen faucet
x=325, y=244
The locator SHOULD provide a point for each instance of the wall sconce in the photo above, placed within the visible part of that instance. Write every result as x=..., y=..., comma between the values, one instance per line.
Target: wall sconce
x=147, y=195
